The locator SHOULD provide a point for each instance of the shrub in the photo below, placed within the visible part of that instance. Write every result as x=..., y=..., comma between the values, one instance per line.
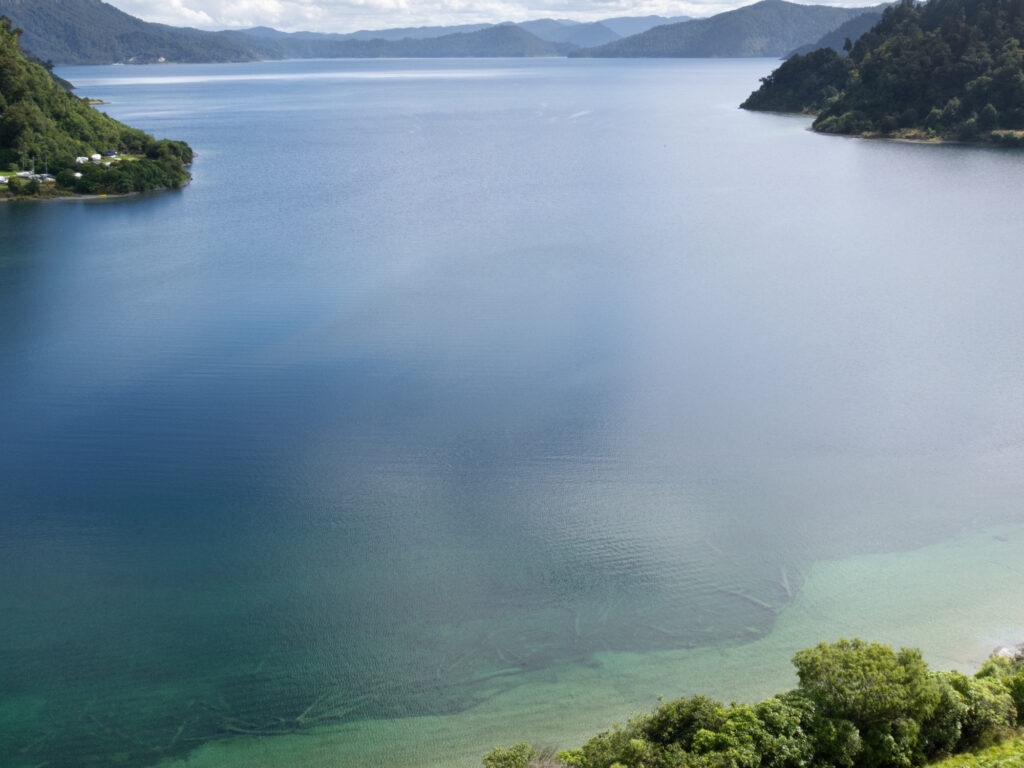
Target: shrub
x=990, y=710
x=516, y=756
x=941, y=733
x=1015, y=687
x=678, y=722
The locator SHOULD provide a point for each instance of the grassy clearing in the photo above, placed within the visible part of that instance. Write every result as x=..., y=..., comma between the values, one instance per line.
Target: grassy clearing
x=1009, y=754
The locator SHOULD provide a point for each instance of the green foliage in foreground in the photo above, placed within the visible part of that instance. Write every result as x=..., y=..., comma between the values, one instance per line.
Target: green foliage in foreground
x=41, y=123
x=943, y=69
x=857, y=705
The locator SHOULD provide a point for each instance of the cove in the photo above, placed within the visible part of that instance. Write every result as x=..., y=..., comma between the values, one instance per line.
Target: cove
x=458, y=392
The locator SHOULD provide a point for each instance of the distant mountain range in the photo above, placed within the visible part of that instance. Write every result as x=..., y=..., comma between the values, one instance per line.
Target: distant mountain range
x=94, y=32
x=767, y=28
x=594, y=33
x=497, y=40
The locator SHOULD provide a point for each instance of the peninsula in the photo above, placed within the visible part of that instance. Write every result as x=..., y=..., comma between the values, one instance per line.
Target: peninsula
x=946, y=69
x=53, y=144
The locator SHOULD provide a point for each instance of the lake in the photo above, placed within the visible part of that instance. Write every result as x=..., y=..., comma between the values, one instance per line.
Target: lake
x=457, y=403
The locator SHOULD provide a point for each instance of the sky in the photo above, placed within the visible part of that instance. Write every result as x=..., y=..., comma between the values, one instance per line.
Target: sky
x=352, y=15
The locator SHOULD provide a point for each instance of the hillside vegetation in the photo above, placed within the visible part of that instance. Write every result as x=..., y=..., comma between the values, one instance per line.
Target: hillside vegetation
x=41, y=124
x=1008, y=754
x=857, y=705
x=949, y=69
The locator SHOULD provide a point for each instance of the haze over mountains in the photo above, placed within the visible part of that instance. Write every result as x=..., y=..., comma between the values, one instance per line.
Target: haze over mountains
x=849, y=30
x=94, y=32
x=767, y=28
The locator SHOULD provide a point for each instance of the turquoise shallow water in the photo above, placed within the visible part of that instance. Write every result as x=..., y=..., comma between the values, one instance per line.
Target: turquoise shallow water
x=449, y=389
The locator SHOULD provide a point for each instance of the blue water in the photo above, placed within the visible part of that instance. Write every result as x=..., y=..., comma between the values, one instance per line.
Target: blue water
x=445, y=375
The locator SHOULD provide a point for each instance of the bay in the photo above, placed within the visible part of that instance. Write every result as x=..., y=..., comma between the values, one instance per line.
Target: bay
x=462, y=401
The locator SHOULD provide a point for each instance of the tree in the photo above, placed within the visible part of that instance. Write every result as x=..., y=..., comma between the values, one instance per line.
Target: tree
x=678, y=722
x=883, y=694
x=865, y=683
x=782, y=741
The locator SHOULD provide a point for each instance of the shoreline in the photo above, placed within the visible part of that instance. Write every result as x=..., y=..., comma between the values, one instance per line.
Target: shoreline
x=913, y=136
x=74, y=196
x=1012, y=139
x=952, y=604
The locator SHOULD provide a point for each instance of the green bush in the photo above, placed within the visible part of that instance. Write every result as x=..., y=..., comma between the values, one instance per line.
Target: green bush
x=1015, y=687
x=942, y=732
x=990, y=710
x=517, y=756
x=678, y=722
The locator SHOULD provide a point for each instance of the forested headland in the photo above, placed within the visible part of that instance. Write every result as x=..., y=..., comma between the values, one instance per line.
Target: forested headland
x=53, y=143
x=857, y=705
x=946, y=69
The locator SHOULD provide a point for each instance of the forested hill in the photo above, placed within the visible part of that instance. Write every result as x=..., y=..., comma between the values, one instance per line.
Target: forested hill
x=94, y=32
x=949, y=69
x=767, y=28
x=44, y=126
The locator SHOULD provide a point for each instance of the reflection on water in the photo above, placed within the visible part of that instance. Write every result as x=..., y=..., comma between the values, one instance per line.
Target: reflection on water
x=303, y=76
x=474, y=383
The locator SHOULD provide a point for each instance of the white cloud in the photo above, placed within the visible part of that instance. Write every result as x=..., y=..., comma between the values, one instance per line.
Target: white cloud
x=351, y=15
